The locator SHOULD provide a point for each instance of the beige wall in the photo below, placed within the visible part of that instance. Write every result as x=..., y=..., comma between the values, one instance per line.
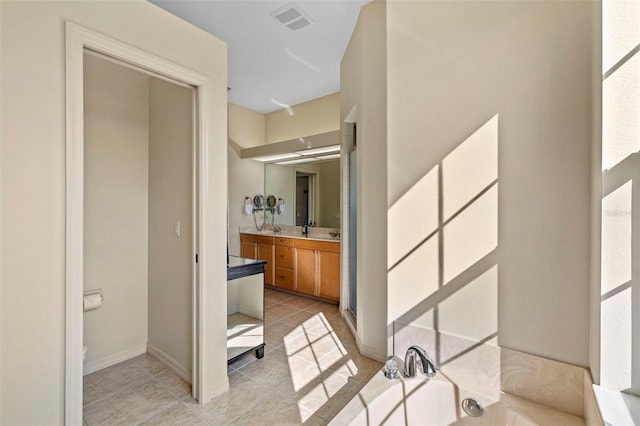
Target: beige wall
x=33, y=185
x=246, y=177
x=304, y=119
x=329, y=211
x=489, y=115
x=170, y=200
x=363, y=83
x=115, y=216
x=246, y=127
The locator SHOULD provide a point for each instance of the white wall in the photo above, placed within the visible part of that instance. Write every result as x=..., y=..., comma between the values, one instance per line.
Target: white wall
x=33, y=186
x=616, y=301
x=489, y=113
x=363, y=82
x=115, y=216
x=170, y=200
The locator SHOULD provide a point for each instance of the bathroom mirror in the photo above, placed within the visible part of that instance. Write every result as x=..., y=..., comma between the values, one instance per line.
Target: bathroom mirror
x=310, y=192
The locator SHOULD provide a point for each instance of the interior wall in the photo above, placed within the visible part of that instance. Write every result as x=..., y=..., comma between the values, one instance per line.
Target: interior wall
x=316, y=116
x=115, y=217
x=171, y=200
x=246, y=127
x=246, y=177
x=33, y=187
x=280, y=182
x=617, y=303
x=489, y=147
x=363, y=85
x=329, y=212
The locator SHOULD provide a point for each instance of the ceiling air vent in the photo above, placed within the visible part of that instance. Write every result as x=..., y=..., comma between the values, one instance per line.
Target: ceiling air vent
x=292, y=17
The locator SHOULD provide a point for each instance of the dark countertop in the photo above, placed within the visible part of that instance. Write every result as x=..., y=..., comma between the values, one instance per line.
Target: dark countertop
x=239, y=267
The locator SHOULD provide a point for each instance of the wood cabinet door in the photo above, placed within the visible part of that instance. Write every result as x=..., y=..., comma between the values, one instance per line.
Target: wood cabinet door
x=266, y=253
x=284, y=278
x=329, y=275
x=306, y=271
x=248, y=250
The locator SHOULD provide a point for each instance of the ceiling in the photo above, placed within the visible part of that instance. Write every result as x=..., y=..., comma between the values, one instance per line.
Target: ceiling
x=271, y=66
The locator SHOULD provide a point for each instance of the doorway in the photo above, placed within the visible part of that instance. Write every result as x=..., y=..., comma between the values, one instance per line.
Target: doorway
x=306, y=192
x=78, y=39
x=139, y=225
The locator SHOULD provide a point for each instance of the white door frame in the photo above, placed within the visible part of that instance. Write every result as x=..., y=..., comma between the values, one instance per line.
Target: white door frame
x=77, y=39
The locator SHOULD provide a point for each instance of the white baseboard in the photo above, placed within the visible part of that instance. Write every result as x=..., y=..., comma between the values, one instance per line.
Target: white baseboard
x=370, y=352
x=108, y=361
x=250, y=312
x=365, y=350
x=170, y=362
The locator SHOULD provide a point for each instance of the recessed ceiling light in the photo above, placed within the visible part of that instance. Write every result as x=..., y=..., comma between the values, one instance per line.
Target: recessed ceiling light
x=292, y=16
x=276, y=157
x=297, y=161
x=329, y=157
x=321, y=150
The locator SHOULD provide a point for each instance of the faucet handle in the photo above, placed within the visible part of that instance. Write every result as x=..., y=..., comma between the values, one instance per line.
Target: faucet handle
x=391, y=369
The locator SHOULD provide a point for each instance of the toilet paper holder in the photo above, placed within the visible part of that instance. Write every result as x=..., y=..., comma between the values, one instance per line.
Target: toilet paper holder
x=92, y=299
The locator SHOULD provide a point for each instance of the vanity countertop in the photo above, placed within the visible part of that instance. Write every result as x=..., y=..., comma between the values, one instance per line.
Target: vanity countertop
x=239, y=267
x=270, y=233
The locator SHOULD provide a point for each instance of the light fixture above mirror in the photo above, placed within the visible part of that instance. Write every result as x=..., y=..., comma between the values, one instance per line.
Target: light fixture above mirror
x=323, y=146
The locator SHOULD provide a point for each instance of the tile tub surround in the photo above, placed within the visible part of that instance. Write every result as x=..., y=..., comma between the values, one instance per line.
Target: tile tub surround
x=490, y=369
x=310, y=371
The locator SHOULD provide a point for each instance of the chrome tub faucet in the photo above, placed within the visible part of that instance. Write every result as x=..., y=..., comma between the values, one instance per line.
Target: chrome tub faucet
x=410, y=362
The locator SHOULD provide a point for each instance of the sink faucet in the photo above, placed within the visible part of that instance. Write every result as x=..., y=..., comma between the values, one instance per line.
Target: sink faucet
x=305, y=230
x=428, y=366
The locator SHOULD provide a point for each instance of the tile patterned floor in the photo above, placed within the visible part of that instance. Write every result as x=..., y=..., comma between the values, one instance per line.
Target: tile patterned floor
x=310, y=370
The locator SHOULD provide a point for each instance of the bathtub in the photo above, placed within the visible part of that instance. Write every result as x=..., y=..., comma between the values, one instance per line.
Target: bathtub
x=437, y=401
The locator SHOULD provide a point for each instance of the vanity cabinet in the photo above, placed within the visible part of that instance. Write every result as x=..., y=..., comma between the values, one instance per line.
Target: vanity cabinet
x=318, y=268
x=260, y=248
x=284, y=255
x=310, y=267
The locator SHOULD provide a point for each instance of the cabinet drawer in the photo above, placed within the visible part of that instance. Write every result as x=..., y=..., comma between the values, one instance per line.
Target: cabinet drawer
x=284, y=257
x=284, y=278
x=318, y=245
x=259, y=239
x=279, y=241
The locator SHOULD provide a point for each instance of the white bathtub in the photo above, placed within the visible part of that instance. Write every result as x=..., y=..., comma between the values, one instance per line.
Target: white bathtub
x=437, y=401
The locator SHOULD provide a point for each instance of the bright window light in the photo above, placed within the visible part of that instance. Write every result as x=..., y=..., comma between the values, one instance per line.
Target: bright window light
x=329, y=157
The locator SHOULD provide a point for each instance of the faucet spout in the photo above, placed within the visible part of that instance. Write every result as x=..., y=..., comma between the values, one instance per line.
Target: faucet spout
x=410, y=362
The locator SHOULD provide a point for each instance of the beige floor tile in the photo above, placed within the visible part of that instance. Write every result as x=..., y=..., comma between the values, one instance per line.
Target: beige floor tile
x=328, y=309
x=178, y=414
x=311, y=369
x=301, y=303
x=147, y=363
x=274, y=411
x=318, y=393
x=111, y=380
x=174, y=384
x=315, y=421
x=279, y=312
x=307, y=319
x=130, y=406
x=243, y=395
x=279, y=296
x=338, y=400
